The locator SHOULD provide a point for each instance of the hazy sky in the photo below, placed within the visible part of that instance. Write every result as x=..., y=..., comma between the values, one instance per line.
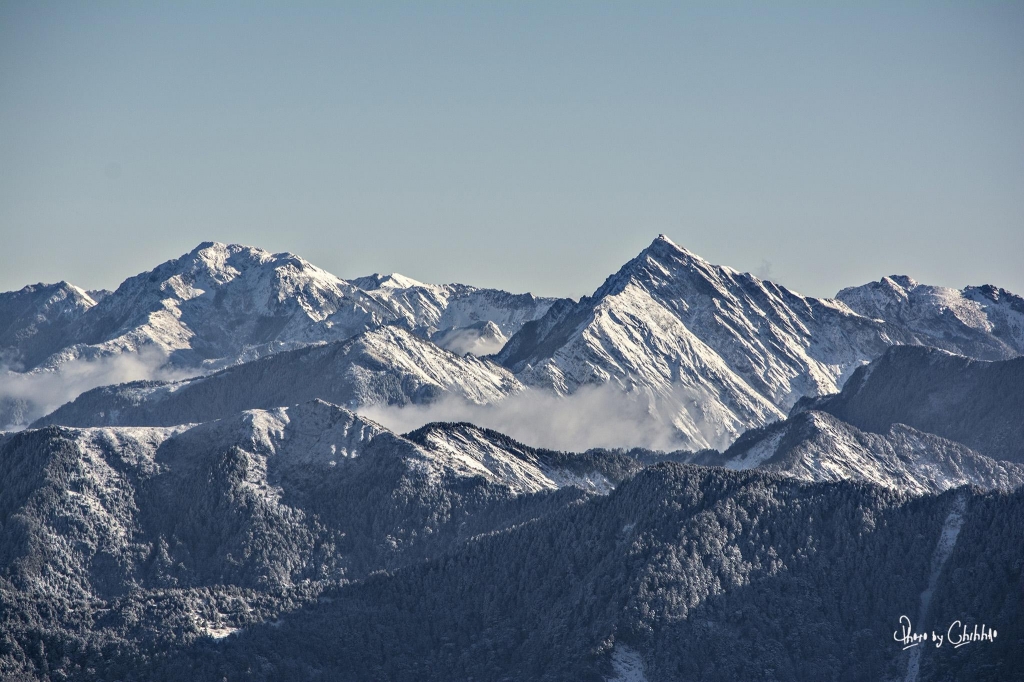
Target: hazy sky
x=527, y=146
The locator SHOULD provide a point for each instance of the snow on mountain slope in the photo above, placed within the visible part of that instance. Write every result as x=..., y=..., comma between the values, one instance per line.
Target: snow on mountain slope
x=495, y=456
x=261, y=498
x=714, y=351
x=386, y=366
x=33, y=319
x=702, y=350
x=815, y=446
x=69, y=497
x=982, y=322
x=480, y=338
x=430, y=308
x=222, y=303
x=464, y=450
x=216, y=306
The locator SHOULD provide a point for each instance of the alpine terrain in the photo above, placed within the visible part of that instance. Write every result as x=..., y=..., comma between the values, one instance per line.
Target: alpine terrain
x=192, y=486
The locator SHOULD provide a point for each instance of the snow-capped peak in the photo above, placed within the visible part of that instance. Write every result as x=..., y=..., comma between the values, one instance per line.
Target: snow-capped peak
x=666, y=254
x=962, y=321
x=718, y=350
x=220, y=261
x=393, y=281
x=662, y=245
x=904, y=282
x=81, y=295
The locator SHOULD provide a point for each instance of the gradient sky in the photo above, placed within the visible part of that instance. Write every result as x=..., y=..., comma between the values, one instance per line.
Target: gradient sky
x=526, y=146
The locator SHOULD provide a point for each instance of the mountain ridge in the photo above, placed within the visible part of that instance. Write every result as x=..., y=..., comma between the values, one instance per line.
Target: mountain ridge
x=975, y=402
x=816, y=446
x=386, y=366
x=703, y=350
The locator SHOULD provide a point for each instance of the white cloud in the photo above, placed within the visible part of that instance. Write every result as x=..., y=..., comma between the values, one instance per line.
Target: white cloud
x=37, y=393
x=594, y=416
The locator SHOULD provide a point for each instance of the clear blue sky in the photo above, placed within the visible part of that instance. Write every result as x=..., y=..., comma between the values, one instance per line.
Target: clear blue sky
x=529, y=146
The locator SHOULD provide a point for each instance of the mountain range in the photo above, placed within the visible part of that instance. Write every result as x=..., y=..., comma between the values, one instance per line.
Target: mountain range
x=220, y=304
x=217, y=306
x=191, y=486
x=703, y=350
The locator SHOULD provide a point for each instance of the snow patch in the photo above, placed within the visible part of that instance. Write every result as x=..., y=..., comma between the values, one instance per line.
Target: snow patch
x=943, y=550
x=627, y=664
x=758, y=453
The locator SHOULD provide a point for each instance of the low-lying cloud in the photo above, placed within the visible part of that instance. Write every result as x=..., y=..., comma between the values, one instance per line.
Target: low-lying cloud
x=27, y=396
x=470, y=340
x=594, y=416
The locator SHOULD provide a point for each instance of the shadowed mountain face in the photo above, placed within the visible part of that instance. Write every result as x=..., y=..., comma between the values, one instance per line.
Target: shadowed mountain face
x=979, y=404
x=155, y=536
x=265, y=498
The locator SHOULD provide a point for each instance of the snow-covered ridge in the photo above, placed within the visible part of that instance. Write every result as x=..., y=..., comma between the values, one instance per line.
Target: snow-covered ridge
x=983, y=322
x=223, y=304
x=714, y=351
x=384, y=366
x=477, y=451
x=33, y=320
x=219, y=301
x=815, y=446
x=280, y=484
x=702, y=350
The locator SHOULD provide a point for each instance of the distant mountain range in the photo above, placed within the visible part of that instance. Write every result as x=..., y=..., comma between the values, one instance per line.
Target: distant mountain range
x=980, y=322
x=191, y=486
x=706, y=351
x=220, y=304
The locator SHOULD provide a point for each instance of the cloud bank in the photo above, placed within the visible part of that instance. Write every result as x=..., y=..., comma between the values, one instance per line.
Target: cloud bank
x=27, y=396
x=594, y=416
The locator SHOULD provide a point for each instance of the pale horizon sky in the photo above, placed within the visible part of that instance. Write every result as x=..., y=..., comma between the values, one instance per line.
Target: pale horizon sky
x=525, y=146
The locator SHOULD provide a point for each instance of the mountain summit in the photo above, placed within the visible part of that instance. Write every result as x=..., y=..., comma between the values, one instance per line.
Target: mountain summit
x=716, y=351
x=221, y=305
x=983, y=322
